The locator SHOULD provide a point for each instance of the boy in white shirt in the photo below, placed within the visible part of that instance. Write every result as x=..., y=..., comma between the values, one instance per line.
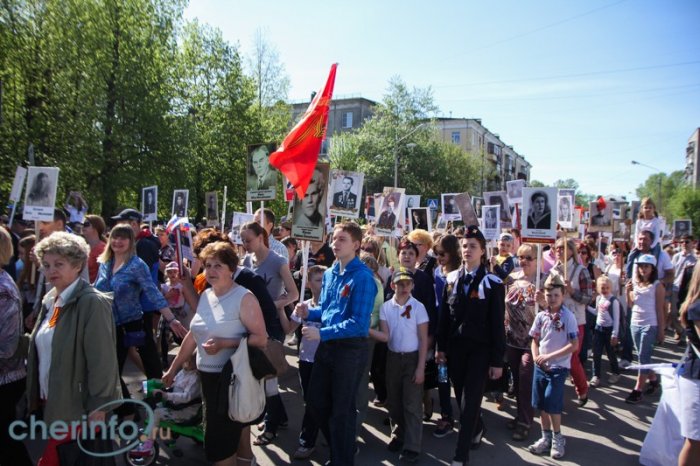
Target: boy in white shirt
x=554, y=335
x=403, y=321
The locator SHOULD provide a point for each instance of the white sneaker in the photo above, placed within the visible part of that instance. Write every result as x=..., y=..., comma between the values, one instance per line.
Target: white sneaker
x=614, y=378
x=624, y=363
x=558, y=443
x=542, y=445
x=595, y=381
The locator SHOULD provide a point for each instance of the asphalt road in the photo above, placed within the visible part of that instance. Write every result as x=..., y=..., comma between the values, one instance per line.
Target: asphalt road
x=607, y=431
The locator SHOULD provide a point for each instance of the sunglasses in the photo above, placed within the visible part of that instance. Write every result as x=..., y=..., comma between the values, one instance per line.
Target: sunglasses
x=686, y=241
x=525, y=258
x=366, y=249
x=86, y=224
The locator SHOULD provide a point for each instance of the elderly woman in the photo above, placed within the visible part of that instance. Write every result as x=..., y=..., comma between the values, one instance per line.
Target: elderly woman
x=520, y=313
x=125, y=274
x=13, y=374
x=73, y=368
x=226, y=313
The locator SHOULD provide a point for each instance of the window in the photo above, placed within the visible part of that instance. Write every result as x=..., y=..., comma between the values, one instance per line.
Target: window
x=347, y=120
x=456, y=138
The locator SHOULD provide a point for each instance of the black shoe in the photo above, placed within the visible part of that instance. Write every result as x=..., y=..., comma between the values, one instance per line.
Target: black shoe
x=582, y=401
x=476, y=440
x=409, y=456
x=634, y=397
x=652, y=388
x=395, y=445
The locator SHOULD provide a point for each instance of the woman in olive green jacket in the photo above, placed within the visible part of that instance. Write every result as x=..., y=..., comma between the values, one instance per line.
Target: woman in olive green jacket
x=72, y=364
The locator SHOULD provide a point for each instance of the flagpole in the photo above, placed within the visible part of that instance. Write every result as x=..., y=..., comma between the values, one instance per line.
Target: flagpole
x=304, y=267
x=537, y=278
x=262, y=214
x=222, y=223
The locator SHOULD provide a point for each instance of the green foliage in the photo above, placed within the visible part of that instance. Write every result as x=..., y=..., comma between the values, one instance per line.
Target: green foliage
x=669, y=185
x=685, y=204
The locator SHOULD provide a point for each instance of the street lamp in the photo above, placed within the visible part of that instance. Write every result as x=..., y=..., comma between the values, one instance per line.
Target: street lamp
x=396, y=152
x=634, y=162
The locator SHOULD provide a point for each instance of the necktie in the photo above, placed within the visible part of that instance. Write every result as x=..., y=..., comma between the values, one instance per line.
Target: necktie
x=467, y=281
x=345, y=199
x=54, y=316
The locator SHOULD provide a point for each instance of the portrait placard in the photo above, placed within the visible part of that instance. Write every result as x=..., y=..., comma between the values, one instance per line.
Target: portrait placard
x=309, y=215
x=682, y=227
x=239, y=218
x=539, y=212
x=565, y=209
x=514, y=188
x=40, y=198
x=149, y=203
x=499, y=198
x=344, y=193
x=491, y=221
x=180, y=202
x=389, y=204
x=477, y=203
x=262, y=178
x=600, y=219
x=211, y=201
x=17, y=185
x=420, y=218
x=450, y=211
x=466, y=210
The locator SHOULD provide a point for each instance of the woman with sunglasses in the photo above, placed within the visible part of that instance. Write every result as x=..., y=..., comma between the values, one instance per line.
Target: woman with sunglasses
x=471, y=336
x=449, y=259
x=521, y=297
x=93, y=232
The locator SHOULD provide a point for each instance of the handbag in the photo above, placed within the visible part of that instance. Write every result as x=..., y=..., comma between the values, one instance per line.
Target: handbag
x=274, y=351
x=246, y=394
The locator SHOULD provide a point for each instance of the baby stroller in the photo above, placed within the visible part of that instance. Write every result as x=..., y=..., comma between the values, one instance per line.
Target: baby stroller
x=147, y=450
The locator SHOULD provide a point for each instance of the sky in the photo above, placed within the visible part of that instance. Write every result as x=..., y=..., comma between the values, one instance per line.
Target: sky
x=579, y=88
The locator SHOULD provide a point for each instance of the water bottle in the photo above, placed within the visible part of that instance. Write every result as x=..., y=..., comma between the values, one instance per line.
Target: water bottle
x=442, y=373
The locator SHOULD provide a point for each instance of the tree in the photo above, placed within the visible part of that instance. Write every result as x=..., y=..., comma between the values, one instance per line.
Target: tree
x=668, y=184
x=685, y=204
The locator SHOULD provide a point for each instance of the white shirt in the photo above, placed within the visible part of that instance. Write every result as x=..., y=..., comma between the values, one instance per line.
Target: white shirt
x=44, y=337
x=403, y=330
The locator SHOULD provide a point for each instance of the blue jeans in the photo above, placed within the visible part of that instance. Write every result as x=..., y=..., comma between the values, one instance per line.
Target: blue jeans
x=548, y=390
x=335, y=378
x=644, y=337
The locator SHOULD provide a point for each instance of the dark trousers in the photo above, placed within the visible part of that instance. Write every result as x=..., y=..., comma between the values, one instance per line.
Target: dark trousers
x=309, y=426
x=468, y=366
x=587, y=340
x=522, y=366
x=333, y=388
x=601, y=339
x=627, y=343
x=378, y=371
x=445, y=400
x=148, y=353
x=12, y=452
x=405, y=399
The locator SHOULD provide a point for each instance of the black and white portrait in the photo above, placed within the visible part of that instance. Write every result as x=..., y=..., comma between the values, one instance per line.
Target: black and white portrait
x=499, y=198
x=149, y=203
x=466, y=211
x=540, y=207
x=180, y=200
x=40, y=198
x=309, y=215
x=514, y=189
x=211, y=201
x=565, y=212
x=239, y=218
x=491, y=221
x=477, y=203
x=450, y=211
x=682, y=227
x=345, y=193
x=419, y=218
x=262, y=178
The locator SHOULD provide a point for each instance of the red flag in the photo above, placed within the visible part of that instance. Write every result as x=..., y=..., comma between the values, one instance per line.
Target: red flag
x=297, y=156
x=601, y=203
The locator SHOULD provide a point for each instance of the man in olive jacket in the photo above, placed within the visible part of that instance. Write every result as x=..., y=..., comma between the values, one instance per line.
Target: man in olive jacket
x=84, y=374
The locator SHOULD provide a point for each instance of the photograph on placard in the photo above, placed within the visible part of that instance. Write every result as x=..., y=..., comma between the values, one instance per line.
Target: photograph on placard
x=499, y=198
x=600, y=216
x=540, y=207
x=565, y=211
x=309, y=215
x=211, y=201
x=149, y=203
x=477, y=203
x=180, y=202
x=450, y=211
x=370, y=208
x=262, y=178
x=491, y=221
x=345, y=192
x=466, y=211
x=634, y=211
x=288, y=190
x=514, y=189
x=239, y=218
x=682, y=227
x=420, y=218
x=40, y=198
x=390, y=206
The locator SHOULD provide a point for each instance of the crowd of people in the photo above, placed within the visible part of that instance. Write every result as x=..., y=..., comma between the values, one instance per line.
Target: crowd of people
x=430, y=310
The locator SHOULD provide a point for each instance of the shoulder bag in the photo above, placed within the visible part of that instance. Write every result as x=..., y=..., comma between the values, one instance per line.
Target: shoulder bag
x=246, y=394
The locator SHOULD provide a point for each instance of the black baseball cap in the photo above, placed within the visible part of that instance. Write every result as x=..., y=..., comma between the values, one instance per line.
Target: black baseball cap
x=128, y=214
